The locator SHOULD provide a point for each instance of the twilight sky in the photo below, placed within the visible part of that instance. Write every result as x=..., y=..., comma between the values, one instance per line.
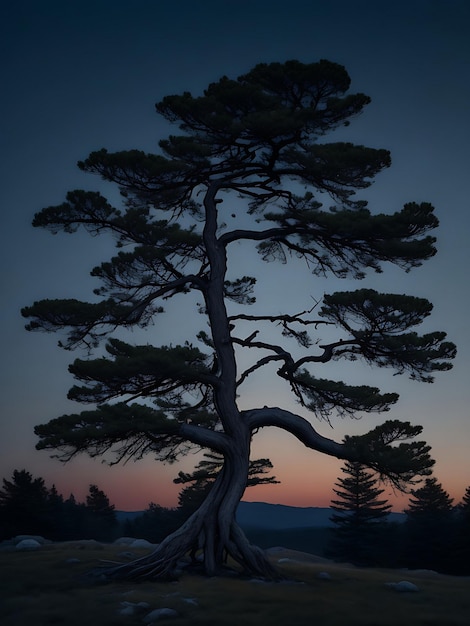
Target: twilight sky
x=85, y=74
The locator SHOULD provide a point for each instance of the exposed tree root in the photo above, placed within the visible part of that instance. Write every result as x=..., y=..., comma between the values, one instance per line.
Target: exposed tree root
x=165, y=562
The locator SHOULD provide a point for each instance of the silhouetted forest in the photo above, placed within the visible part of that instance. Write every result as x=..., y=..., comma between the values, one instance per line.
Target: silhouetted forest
x=435, y=534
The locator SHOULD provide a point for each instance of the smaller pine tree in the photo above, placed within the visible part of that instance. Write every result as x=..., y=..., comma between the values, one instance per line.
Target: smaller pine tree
x=102, y=516
x=359, y=516
x=430, y=528
x=462, y=536
x=464, y=509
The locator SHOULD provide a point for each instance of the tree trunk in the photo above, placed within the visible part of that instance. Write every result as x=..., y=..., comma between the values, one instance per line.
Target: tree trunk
x=212, y=530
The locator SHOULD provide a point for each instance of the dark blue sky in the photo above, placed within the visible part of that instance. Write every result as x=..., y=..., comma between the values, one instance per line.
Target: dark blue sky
x=81, y=75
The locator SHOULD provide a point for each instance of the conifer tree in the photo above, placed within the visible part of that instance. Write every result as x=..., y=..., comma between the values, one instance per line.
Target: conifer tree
x=359, y=515
x=101, y=515
x=430, y=527
x=464, y=506
x=24, y=506
x=249, y=167
x=461, y=545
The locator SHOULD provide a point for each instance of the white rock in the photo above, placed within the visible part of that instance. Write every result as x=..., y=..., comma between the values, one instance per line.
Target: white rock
x=124, y=541
x=130, y=608
x=28, y=544
x=159, y=614
x=127, y=610
x=37, y=538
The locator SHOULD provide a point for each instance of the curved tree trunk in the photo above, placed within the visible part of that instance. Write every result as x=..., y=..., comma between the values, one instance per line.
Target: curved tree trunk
x=212, y=529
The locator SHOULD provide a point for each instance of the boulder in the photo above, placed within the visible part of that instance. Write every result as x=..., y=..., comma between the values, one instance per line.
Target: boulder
x=141, y=543
x=130, y=608
x=159, y=614
x=28, y=544
x=124, y=541
x=16, y=540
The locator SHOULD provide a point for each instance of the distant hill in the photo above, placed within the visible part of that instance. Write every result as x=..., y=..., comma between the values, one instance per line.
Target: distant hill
x=258, y=515
x=280, y=516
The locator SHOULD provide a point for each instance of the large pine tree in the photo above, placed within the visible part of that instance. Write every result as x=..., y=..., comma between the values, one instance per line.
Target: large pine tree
x=250, y=168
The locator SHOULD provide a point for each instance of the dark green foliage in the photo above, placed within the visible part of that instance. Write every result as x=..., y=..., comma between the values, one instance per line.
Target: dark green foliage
x=379, y=449
x=377, y=324
x=130, y=430
x=325, y=396
x=139, y=370
x=245, y=136
x=359, y=517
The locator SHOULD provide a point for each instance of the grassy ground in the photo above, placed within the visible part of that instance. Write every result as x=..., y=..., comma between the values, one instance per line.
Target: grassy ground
x=42, y=588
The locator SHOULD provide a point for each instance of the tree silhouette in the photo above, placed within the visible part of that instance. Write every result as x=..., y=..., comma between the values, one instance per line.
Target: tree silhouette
x=461, y=545
x=101, y=517
x=464, y=508
x=430, y=527
x=359, y=515
x=24, y=506
x=155, y=523
x=200, y=481
x=248, y=168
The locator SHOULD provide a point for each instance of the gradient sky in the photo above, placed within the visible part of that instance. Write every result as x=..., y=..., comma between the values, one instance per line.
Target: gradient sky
x=81, y=75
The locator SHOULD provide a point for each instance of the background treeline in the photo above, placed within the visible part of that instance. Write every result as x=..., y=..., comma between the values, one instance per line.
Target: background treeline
x=28, y=507
x=435, y=534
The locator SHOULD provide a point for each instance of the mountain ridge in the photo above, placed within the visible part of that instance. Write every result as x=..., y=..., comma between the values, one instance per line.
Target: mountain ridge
x=276, y=516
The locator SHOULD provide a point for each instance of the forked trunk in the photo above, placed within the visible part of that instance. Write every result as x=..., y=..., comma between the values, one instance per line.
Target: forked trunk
x=211, y=532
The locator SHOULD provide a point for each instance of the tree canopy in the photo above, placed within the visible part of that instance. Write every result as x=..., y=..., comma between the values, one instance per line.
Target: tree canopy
x=250, y=147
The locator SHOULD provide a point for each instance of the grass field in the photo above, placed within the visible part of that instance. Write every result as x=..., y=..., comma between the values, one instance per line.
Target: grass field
x=41, y=588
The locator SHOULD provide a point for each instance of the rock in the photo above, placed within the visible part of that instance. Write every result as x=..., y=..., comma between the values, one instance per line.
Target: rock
x=72, y=561
x=124, y=541
x=130, y=608
x=37, y=538
x=28, y=544
x=141, y=543
x=157, y=614
x=127, y=610
x=402, y=586
x=324, y=576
